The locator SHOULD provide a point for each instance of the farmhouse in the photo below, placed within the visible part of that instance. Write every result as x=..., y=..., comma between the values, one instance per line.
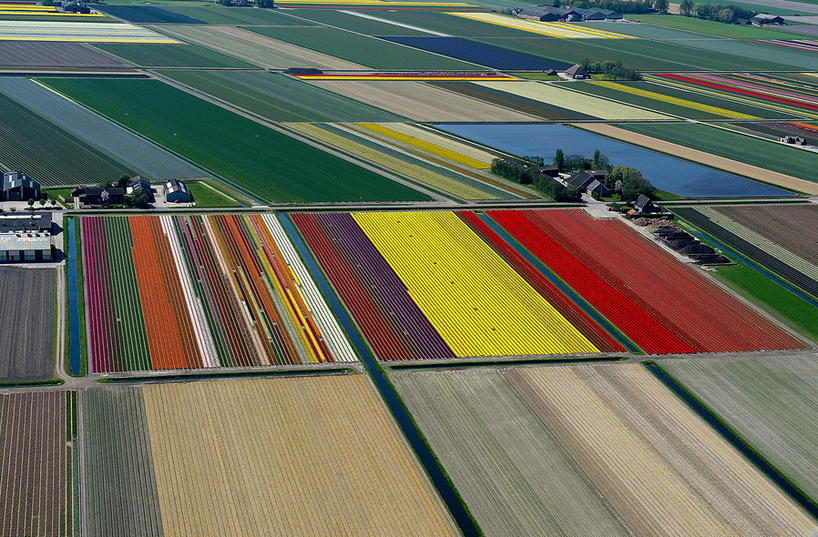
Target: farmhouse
x=598, y=14
x=596, y=187
x=94, y=195
x=544, y=15
x=139, y=185
x=177, y=192
x=577, y=72
x=581, y=179
x=25, y=237
x=765, y=18
x=17, y=186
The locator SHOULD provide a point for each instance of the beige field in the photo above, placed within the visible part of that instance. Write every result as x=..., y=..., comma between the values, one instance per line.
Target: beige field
x=420, y=102
x=662, y=469
x=728, y=165
x=313, y=456
x=258, y=49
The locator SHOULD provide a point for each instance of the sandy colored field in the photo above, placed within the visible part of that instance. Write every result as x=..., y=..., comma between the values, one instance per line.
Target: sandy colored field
x=707, y=159
x=313, y=456
x=510, y=470
x=420, y=102
x=259, y=49
x=663, y=470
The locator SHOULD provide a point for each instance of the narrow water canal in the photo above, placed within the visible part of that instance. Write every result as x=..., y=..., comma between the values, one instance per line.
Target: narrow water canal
x=73, y=302
x=443, y=487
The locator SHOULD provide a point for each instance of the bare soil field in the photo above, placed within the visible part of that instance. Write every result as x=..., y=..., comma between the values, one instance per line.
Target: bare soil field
x=27, y=317
x=313, y=456
x=260, y=50
x=52, y=54
x=34, y=478
x=728, y=165
x=421, y=102
x=662, y=469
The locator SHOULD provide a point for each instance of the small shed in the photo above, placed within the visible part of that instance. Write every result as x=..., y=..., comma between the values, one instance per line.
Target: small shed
x=177, y=192
x=549, y=170
x=644, y=205
x=577, y=72
x=597, y=188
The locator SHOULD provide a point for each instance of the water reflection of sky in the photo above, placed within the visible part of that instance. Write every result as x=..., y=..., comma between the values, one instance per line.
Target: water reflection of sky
x=666, y=173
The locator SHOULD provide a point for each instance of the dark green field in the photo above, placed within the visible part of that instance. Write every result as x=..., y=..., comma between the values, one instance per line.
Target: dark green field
x=447, y=24
x=640, y=54
x=48, y=154
x=732, y=145
x=214, y=14
x=207, y=198
x=367, y=51
x=693, y=24
x=353, y=23
x=170, y=55
x=269, y=165
x=277, y=97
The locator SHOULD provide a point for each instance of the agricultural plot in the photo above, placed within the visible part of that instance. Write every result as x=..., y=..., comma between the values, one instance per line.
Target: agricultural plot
x=37, y=497
x=120, y=491
x=563, y=97
x=45, y=54
x=778, y=246
x=147, y=15
x=738, y=391
x=27, y=312
x=357, y=21
x=784, y=56
x=276, y=97
x=420, y=102
x=112, y=152
x=171, y=56
x=424, y=285
x=290, y=462
x=537, y=108
x=369, y=51
x=39, y=147
x=101, y=32
x=661, y=468
x=215, y=14
x=262, y=161
x=640, y=54
x=258, y=49
x=510, y=470
x=693, y=24
x=729, y=144
x=551, y=29
x=442, y=23
x=478, y=53
x=666, y=100
x=759, y=89
x=230, y=287
x=438, y=173
x=664, y=172
x=776, y=130
x=662, y=305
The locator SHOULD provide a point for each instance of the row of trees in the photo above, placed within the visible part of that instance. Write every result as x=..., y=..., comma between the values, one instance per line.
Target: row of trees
x=613, y=70
x=621, y=6
x=627, y=182
x=578, y=162
x=728, y=13
x=526, y=172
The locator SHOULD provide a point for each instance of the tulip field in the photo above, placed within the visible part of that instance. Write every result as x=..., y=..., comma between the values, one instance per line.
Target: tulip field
x=425, y=285
x=664, y=306
x=191, y=291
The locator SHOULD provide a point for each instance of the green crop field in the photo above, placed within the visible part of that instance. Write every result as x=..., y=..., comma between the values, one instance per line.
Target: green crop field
x=367, y=51
x=448, y=24
x=277, y=97
x=758, y=51
x=214, y=14
x=683, y=111
x=693, y=24
x=348, y=21
x=266, y=163
x=736, y=146
x=509, y=100
x=170, y=55
x=771, y=295
x=208, y=198
x=640, y=54
x=48, y=154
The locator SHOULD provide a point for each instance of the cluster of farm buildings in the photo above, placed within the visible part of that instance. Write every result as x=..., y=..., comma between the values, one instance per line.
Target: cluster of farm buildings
x=571, y=14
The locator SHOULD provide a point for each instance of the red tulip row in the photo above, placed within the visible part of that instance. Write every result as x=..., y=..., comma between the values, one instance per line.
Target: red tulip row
x=663, y=305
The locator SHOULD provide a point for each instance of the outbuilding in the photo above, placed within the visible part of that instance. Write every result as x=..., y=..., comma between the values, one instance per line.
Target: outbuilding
x=17, y=186
x=577, y=72
x=177, y=192
x=139, y=185
x=765, y=18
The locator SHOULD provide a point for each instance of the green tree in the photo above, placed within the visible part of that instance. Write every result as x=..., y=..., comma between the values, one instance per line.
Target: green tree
x=661, y=5
x=30, y=202
x=559, y=159
x=686, y=8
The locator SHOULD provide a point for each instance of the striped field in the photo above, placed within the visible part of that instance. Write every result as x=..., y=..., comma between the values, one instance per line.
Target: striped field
x=313, y=456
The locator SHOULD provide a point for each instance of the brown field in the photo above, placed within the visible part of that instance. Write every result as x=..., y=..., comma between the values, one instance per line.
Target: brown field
x=662, y=469
x=786, y=226
x=420, y=102
x=34, y=478
x=258, y=49
x=306, y=456
x=728, y=165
